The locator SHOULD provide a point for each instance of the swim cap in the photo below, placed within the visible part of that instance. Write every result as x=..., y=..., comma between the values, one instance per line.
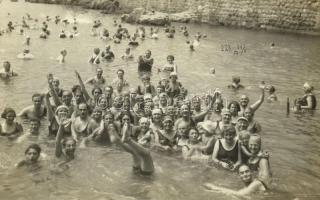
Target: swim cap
x=242, y=118
x=61, y=107
x=144, y=119
x=156, y=111
x=209, y=126
x=167, y=118
x=173, y=74
x=307, y=86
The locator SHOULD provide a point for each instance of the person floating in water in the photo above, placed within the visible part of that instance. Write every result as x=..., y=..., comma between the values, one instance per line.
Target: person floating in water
x=252, y=185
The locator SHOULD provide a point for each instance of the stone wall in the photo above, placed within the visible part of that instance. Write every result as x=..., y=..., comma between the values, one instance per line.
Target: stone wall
x=287, y=15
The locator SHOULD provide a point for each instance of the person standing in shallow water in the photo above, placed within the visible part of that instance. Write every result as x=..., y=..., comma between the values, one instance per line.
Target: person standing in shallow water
x=145, y=62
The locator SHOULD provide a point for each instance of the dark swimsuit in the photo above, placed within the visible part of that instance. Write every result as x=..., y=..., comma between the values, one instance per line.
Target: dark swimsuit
x=225, y=155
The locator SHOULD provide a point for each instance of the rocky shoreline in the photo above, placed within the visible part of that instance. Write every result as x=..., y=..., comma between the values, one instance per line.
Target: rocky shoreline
x=304, y=19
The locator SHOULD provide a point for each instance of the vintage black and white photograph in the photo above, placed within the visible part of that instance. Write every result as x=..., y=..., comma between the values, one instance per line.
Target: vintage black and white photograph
x=159, y=99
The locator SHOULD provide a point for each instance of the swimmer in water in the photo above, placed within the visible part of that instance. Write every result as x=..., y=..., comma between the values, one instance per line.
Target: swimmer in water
x=27, y=41
x=26, y=55
x=244, y=101
x=32, y=155
x=32, y=133
x=98, y=80
x=272, y=95
x=65, y=147
x=62, y=56
x=252, y=185
x=7, y=73
x=236, y=83
x=94, y=59
x=127, y=55
x=169, y=67
x=37, y=110
x=308, y=101
x=10, y=128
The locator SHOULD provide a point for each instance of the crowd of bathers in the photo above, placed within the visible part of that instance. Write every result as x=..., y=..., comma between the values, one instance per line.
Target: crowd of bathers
x=159, y=117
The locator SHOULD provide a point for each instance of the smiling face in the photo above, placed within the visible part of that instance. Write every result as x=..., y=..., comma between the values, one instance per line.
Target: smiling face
x=37, y=101
x=254, y=144
x=245, y=174
x=167, y=125
x=242, y=124
x=233, y=109
x=97, y=114
x=69, y=147
x=185, y=112
x=244, y=100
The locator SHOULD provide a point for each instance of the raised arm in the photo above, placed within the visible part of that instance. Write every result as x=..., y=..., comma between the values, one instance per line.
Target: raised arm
x=58, y=141
x=83, y=88
x=258, y=103
x=49, y=107
x=54, y=94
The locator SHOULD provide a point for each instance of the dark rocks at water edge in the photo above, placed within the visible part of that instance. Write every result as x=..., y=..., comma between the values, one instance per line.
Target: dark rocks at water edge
x=107, y=6
x=300, y=16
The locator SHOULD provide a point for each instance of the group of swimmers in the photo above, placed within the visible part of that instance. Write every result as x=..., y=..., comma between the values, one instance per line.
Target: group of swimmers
x=161, y=117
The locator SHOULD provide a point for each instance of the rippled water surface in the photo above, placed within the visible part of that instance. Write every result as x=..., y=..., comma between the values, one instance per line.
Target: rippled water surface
x=105, y=173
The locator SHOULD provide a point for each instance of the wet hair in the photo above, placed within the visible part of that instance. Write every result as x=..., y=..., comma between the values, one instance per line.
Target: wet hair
x=234, y=103
x=230, y=129
x=75, y=88
x=124, y=113
x=96, y=88
x=6, y=63
x=35, y=120
x=236, y=79
x=170, y=56
x=272, y=89
x=108, y=113
x=6, y=111
x=33, y=146
x=36, y=95
x=65, y=140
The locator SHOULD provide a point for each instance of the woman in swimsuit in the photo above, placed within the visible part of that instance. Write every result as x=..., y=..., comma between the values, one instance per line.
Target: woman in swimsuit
x=7, y=73
x=234, y=108
x=166, y=137
x=308, y=101
x=9, y=127
x=227, y=151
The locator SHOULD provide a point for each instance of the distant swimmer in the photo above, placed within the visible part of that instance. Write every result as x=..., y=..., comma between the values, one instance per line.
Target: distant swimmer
x=7, y=72
x=62, y=56
x=127, y=55
x=26, y=55
x=27, y=41
x=308, y=101
x=94, y=59
x=236, y=83
x=272, y=93
x=62, y=34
